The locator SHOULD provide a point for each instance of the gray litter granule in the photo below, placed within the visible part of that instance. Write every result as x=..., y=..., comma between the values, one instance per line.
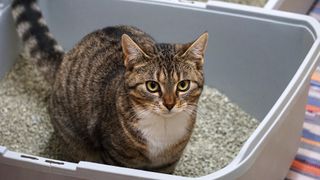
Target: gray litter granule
x=25, y=127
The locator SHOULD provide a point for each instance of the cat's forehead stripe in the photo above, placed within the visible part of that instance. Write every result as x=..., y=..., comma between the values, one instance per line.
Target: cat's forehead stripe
x=165, y=51
x=176, y=76
x=162, y=76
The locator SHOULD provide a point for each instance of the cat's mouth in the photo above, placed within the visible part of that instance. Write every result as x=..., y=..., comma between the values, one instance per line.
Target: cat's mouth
x=168, y=114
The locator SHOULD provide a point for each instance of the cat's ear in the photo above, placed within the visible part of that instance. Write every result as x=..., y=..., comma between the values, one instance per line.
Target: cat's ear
x=130, y=49
x=197, y=49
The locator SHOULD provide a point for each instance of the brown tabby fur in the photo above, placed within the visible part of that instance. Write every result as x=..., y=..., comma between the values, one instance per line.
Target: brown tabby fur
x=99, y=104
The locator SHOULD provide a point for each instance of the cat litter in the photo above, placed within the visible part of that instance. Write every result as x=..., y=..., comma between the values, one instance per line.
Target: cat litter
x=221, y=128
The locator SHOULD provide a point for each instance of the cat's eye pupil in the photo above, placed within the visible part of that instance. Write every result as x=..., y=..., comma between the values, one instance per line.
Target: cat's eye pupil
x=153, y=85
x=182, y=84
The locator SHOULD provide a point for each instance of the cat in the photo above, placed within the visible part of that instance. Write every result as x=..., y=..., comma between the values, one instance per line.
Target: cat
x=117, y=97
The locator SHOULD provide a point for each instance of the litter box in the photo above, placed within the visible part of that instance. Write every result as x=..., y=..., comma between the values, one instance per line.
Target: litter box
x=261, y=59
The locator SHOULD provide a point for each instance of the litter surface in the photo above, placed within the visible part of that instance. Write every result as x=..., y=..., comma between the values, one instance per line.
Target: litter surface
x=221, y=128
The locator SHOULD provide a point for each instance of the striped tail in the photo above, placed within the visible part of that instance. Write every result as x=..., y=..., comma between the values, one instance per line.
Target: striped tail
x=39, y=44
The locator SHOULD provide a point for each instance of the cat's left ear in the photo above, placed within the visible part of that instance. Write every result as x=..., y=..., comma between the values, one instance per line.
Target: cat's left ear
x=130, y=49
x=197, y=49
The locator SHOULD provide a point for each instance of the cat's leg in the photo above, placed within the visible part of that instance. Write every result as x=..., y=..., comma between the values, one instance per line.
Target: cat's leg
x=74, y=146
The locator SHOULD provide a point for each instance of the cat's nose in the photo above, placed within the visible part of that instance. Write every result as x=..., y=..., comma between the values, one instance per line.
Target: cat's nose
x=169, y=106
x=169, y=102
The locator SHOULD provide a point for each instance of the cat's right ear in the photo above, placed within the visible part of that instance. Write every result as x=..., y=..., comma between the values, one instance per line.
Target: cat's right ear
x=130, y=50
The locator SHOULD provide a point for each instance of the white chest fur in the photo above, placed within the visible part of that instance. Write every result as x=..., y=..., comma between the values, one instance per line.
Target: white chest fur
x=161, y=132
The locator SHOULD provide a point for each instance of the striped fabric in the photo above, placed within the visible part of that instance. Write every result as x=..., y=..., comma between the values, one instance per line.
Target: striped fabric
x=306, y=165
x=315, y=11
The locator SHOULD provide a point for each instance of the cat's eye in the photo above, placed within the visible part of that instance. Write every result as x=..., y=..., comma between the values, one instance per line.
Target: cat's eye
x=152, y=86
x=183, y=85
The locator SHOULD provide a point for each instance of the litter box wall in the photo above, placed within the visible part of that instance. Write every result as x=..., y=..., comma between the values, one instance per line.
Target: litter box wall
x=8, y=38
x=261, y=59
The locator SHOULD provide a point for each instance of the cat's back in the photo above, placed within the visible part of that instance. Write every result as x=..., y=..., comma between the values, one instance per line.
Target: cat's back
x=104, y=46
x=90, y=72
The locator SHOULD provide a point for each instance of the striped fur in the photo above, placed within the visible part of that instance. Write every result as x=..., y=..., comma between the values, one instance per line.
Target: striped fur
x=39, y=44
x=100, y=104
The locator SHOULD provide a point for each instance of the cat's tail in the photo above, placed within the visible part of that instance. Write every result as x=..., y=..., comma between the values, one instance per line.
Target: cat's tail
x=39, y=44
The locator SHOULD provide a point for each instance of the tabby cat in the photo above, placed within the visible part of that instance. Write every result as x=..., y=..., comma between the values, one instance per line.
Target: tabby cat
x=118, y=97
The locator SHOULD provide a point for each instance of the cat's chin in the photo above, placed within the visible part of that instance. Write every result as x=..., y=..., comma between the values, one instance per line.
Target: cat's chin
x=168, y=114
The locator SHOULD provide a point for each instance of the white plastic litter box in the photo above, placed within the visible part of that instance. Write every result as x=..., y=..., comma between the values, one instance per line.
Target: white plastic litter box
x=262, y=59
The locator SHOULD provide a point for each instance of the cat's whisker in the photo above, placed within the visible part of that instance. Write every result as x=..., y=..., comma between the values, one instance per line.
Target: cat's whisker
x=195, y=111
x=137, y=114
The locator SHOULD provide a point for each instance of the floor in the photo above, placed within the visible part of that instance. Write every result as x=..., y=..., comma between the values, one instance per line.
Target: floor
x=307, y=161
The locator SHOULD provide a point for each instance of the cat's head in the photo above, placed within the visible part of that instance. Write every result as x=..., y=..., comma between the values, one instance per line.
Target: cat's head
x=166, y=79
